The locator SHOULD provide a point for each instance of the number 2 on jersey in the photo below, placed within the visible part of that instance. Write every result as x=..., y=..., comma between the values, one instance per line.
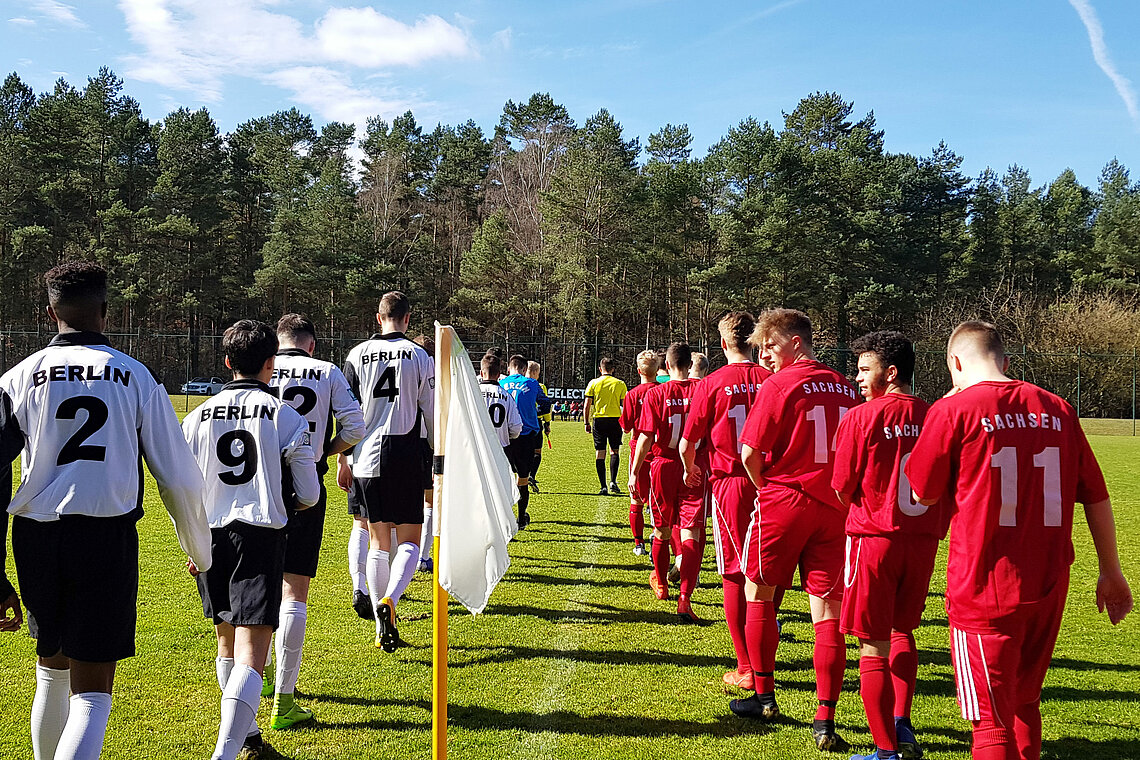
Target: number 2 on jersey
x=75, y=448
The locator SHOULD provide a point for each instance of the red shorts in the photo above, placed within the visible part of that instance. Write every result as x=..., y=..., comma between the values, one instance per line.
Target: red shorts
x=885, y=581
x=672, y=504
x=733, y=499
x=790, y=530
x=640, y=494
x=998, y=672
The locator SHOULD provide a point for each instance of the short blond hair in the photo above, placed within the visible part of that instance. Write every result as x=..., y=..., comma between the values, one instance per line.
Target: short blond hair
x=983, y=337
x=700, y=364
x=648, y=362
x=784, y=322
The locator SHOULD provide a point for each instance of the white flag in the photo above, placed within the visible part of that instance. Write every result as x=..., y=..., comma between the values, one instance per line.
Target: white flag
x=478, y=489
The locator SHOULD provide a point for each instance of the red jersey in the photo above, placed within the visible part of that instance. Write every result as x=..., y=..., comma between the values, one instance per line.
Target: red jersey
x=872, y=446
x=793, y=421
x=717, y=413
x=631, y=408
x=663, y=413
x=1014, y=460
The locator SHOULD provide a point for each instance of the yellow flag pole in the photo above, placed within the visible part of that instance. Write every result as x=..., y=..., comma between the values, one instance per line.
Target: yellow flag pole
x=439, y=596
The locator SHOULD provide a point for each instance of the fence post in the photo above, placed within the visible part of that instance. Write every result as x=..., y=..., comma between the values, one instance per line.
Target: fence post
x=1078, y=381
x=1133, y=392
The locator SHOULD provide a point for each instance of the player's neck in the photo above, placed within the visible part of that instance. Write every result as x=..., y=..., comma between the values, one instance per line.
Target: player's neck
x=95, y=326
x=736, y=357
x=648, y=380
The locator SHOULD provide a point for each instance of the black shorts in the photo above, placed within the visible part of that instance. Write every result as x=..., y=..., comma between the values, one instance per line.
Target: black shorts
x=607, y=430
x=521, y=453
x=396, y=494
x=428, y=455
x=303, y=535
x=243, y=586
x=79, y=579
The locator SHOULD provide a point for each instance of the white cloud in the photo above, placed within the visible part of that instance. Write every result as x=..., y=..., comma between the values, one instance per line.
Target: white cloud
x=196, y=45
x=501, y=40
x=57, y=11
x=367, y=38
x=1100, y=54
x=21, y=21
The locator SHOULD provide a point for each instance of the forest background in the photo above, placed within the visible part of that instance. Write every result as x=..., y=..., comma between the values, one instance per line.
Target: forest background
x=566, y=240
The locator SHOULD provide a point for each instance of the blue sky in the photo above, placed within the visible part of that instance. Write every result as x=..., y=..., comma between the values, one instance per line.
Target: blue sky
x=1043, y=83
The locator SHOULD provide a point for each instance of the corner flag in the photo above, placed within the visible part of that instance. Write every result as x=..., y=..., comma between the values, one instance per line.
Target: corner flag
x=474, y=496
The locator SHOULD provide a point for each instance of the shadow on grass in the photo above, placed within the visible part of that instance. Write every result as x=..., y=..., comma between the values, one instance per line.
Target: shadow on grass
x=503, y=654
x=476, y=718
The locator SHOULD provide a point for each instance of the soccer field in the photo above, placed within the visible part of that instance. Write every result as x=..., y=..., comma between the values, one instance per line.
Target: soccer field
x=574, y=658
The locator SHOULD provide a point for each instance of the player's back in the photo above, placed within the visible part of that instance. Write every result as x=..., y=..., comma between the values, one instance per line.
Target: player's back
x=663, y=414
x=502, y=410
x=631, y=407
x=873, y=443
x=240, y=438
x=394, y=379
x=525, y=392
x=721, y=402
x=1018, y=461
x=84, y=407
x=794, y=420
x=308, y=385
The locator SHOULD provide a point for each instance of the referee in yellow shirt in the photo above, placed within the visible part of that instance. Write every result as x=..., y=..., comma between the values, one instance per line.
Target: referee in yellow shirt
x=604, y=395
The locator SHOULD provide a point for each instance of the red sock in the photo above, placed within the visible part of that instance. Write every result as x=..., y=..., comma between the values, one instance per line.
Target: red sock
x=735, y=614
x=991, y=741
x=878, y=700
x=690, y=567
x=904, y=671
x=1027, y=729
x=761, y=638
x=636, y=522
x=830, y=658
x=661, y=560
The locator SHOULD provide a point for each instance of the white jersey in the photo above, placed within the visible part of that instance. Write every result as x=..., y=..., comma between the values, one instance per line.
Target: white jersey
x=504, y=411
x=319, y=392
x=395, y=381
x=88, y=416
x=243, y=439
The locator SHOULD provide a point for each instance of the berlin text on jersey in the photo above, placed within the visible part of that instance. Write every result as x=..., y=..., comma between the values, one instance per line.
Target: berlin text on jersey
x=255, y=412
x=80, y=374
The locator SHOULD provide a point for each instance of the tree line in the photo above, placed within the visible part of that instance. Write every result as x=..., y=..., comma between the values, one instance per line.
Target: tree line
x=545, y=229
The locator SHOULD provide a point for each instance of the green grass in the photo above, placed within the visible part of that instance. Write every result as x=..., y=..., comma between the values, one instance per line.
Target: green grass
x=573, y=658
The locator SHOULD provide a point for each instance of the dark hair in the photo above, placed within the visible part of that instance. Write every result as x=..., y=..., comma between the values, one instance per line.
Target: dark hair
x=491, y=366
x=394, y=305
x=984, y=335
x=891, y=348
x=248, y=344
x=607, y=364
x=518, y=364
x=295, y=326
x=735, y=328
x=426, y=341
x=497, y=351
x=76, y=283
x=786, y=322
x=679, y=355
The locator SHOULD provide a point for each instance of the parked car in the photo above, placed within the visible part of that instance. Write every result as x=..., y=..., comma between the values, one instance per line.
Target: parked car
x=203, y=386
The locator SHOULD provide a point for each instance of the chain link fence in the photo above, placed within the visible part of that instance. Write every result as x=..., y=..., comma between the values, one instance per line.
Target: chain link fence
x=1100, y=385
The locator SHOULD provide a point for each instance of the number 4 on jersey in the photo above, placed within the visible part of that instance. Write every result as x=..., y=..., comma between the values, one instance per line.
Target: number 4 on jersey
x=386, y=385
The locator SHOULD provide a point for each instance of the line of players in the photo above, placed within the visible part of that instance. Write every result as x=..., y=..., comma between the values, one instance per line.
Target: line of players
x=801, y=475
x=243, y=482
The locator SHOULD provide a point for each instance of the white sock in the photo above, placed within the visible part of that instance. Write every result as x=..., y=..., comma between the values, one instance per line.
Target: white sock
x=403, y=570
x=82, y=737
x=377, y=577
x=357, y=556
x=224, y=667
x=49, y=710
x=290, y=639
x=239, y=708
x=425, y=534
